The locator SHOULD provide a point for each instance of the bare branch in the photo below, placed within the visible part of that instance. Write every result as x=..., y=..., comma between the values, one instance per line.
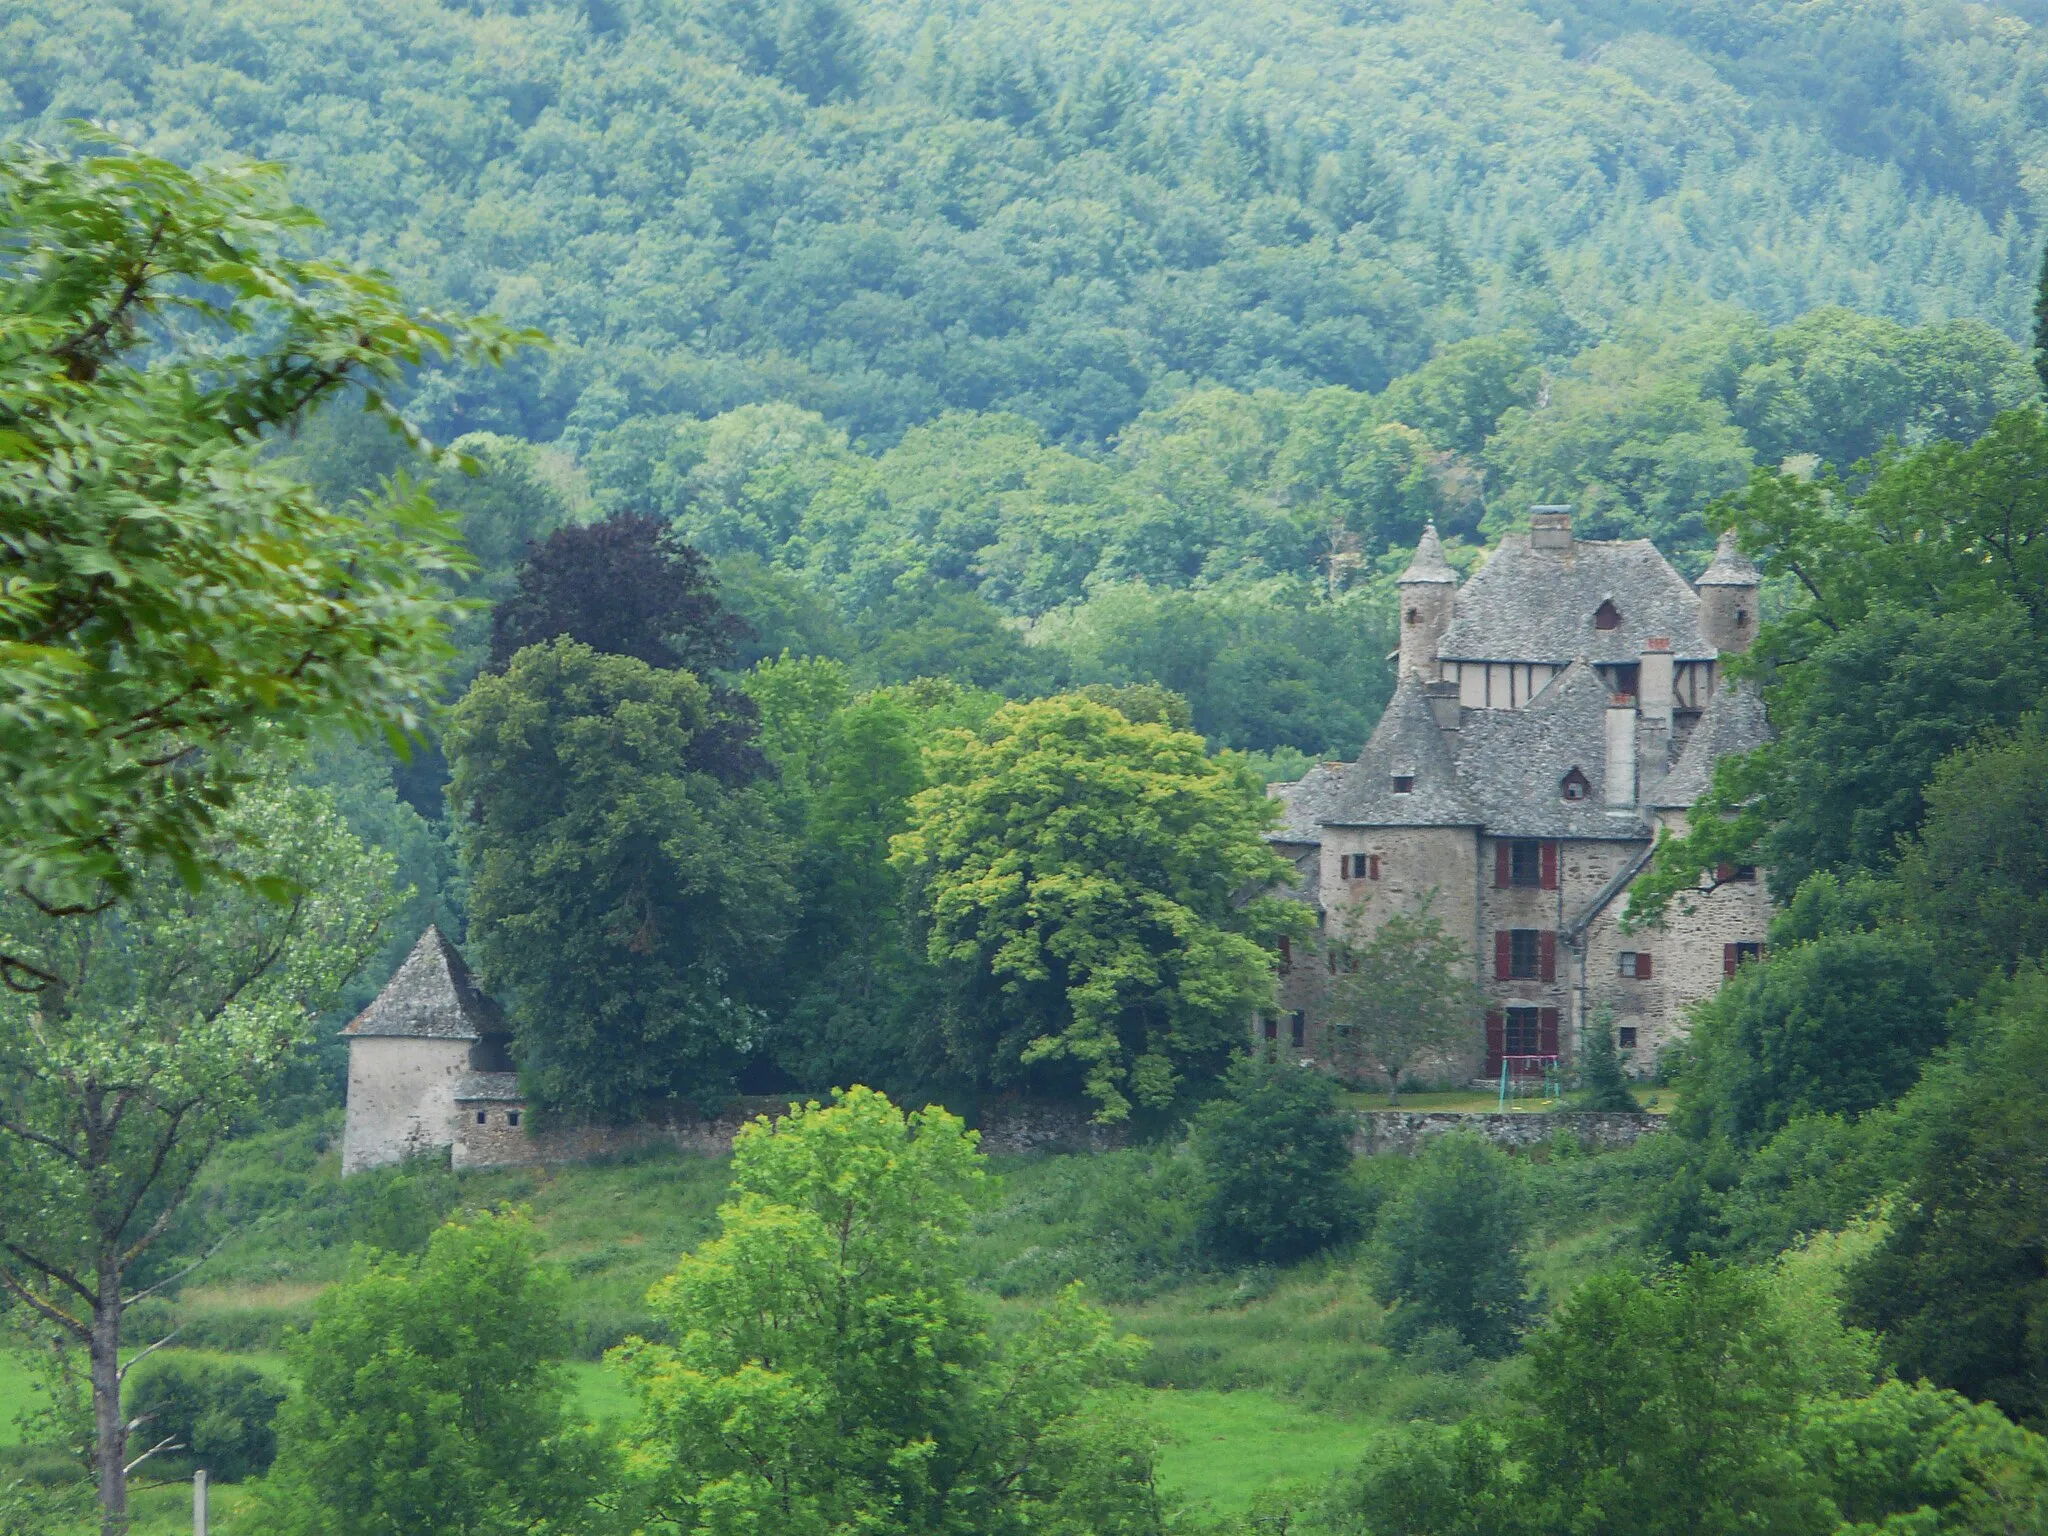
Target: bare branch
x=121, y=1374
x=168, y=1443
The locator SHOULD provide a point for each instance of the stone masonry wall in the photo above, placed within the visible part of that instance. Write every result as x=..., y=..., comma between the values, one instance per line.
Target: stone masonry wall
x=1404, y=1131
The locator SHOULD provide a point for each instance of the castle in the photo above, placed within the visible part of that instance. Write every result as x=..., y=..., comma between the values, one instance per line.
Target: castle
x=1550, y=717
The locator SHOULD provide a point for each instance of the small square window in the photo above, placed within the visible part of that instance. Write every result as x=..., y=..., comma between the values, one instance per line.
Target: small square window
x=1627, y=1034
x=1404, y=783
x=511, y=1117
x=483, y=1117
x=1635, y=965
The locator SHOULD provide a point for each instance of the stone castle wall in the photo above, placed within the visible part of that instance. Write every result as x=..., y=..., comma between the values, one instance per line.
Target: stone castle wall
x=1011, y=1126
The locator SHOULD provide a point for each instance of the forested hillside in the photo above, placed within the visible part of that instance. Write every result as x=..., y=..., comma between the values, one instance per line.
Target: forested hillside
x=1075, y=215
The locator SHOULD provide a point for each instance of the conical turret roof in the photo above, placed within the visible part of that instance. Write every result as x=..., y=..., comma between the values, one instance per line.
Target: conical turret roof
x=1731, y=567
x=430, y=997
x=1429, y=564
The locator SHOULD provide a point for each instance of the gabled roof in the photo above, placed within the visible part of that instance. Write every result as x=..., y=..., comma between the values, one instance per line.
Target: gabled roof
x=1515, y=760
x=1537, y=605
x=1304, y=804
x=430, y=997
x=1733, y=722
x=1407, y=743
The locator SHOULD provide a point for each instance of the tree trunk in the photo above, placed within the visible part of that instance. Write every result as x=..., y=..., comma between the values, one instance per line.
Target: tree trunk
x=110, y=1429
x=1393, y=1087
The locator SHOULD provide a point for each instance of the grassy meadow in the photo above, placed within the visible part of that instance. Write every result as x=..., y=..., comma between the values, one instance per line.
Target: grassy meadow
x=1257, y=1379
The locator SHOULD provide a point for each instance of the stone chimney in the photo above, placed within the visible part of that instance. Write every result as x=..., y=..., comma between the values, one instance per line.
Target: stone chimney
x=1728, y=592
x=1655, y=679
x=1621, y=751
x=1443, y=703
x=1550, y=528
x=1428, y=589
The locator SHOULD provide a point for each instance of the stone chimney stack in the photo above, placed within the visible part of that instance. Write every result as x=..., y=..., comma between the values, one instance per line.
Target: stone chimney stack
x=1621, y=751
x=1728, y=591
x=1550, y=528
x=1655, y=679
x=1429, y=588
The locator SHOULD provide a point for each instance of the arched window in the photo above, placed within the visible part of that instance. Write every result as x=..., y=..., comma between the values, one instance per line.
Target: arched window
x=1607, y=616
x=1574, y=785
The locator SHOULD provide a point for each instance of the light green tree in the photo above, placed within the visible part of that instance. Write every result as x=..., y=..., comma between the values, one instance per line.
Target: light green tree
x=1087, y=886
x=1395, y=993
x=431, y=1400
x=165, y=588
x=832, y=1372
x=163, y=1018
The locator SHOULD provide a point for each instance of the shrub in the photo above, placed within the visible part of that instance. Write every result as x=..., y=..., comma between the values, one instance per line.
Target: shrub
x=1601, y=1083
x=1450, y=1248
x=218, y=1414
x=1275, y=1150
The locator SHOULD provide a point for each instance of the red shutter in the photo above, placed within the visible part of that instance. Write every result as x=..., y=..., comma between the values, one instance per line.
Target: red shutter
x=1546, y=943
x=1496, y=1035
x=1286, y=953
x=1503, y=866
x=1727, y=959
x=1550, y=866
x=1375, y=866
x=1642, y=965
x=1504, y=954
x=1546, y=1023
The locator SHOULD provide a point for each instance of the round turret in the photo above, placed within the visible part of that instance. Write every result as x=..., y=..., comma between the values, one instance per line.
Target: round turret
x=1429, y=587
x=1728, y=591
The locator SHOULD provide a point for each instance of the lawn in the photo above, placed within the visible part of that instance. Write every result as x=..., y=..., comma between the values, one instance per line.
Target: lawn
x=1222, y=1449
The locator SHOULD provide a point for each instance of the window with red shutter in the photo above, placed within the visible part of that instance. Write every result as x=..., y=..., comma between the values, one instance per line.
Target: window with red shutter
x=1504, y=954
x=1547, y=1044
x=1272, y=1024
x=1550, y=866
x=1503, y=865
x=1548, y=950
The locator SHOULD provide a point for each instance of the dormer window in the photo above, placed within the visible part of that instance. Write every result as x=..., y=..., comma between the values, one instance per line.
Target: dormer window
x=1607, y=616
x=1404, y=783
x=1575, y=786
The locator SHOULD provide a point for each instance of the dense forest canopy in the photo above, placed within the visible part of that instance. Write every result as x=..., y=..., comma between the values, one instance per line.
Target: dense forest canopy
x=1073, y=214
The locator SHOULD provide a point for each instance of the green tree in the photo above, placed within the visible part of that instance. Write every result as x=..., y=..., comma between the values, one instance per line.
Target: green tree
x=831, y=1371
x=1602, y=1084
x=1395, y=993
x=1665, y=1406
x=1449, y=1250
x=165, y=1016
x=169, y=590
x=1959, y=1286
x=1078, y=878
x=1838, y=1026
x=430, y=1399
x=218, y=1415
x=1911, y=1457
x=624, y=897
x=1977, y=873
x=1275, y=1150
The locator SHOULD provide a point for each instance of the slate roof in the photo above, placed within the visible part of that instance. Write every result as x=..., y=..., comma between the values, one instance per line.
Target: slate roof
x=1730, y=567
x=1537, y=605
x=1304, y=803
x=1406, y=742
x=1733, y=721
x=489, y=1088
x=430, y=997
x=1429, y=564
x=1514, y=761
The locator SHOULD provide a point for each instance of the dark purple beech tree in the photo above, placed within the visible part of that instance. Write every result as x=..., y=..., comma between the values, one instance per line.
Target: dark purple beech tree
x=630, y=586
